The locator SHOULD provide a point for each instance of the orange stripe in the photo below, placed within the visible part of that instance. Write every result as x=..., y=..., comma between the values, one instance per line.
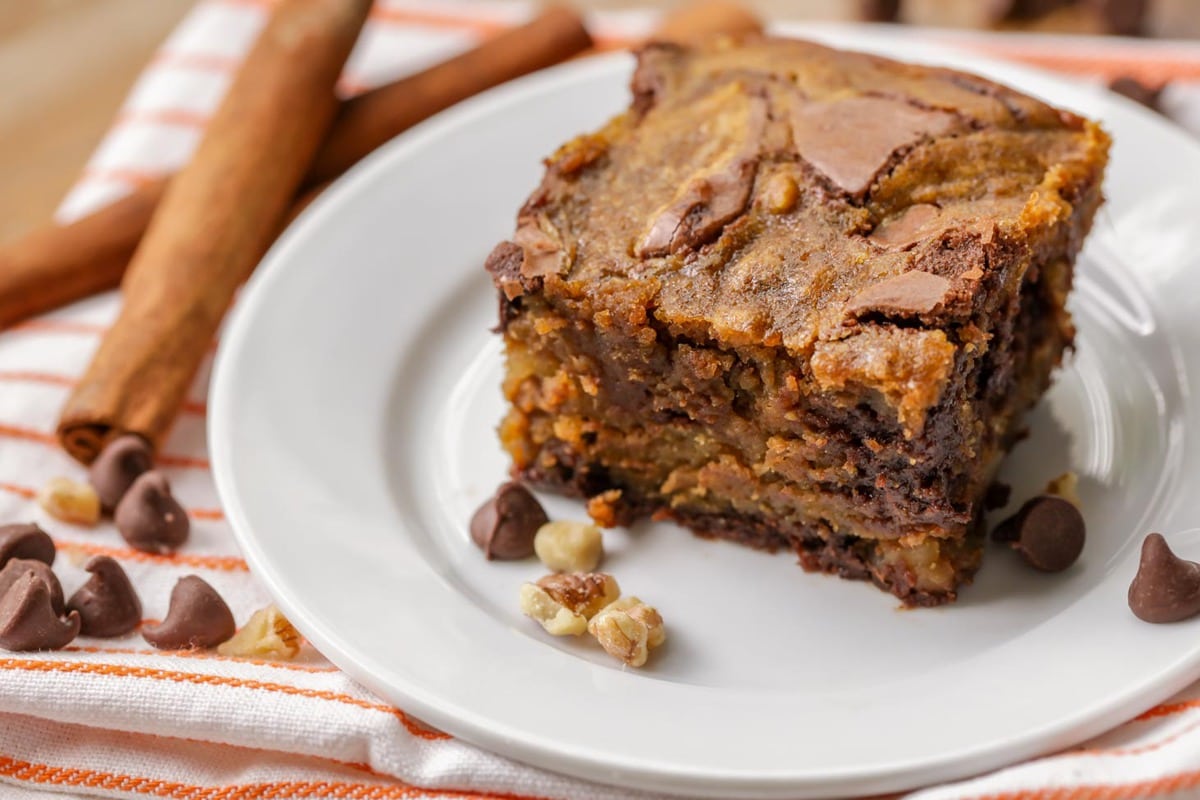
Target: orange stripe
x=19, y=376
x=1155, y=787
x=200, y=61
x=133, y=177
x=1121, y=752
x=1167, y=709
x=41, y=437
x=21, y=491
x=216, y=563
x=434, y=19
x=605, y=44
x=47, y=775
x=350, y=88
x=194, y=407
x=191, y=462
x=59, y=326
x=26, y=376
x=68, y=327
x=382, y=13
x=28, y=434
x=125, y=671
x=194, y=513
x=202, y=655
x=178, y=117
x=1151, y=68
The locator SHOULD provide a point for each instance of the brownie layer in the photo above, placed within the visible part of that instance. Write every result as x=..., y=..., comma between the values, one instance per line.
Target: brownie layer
x=729, y=449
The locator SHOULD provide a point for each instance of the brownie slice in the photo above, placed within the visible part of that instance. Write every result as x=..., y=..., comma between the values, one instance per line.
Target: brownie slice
x=798, y=298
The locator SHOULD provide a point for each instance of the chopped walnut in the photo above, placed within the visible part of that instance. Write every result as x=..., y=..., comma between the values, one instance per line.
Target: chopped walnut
x=566, y=546
x=603, y=508
x=584, y=593
x=267, y=634
x=781, y=193
x=70, y=501
x=627, y=629
x=557, y=619
x=644, y=613
x=563, y=604
x=1065, y=486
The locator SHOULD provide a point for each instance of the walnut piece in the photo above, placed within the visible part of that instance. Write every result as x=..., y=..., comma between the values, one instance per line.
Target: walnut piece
x=781, y=193
x=562, y=604
x=627, y=629
x=267, y=634
x=604, y=507
x=585, y=593
x=70, y=501
x=566, y=546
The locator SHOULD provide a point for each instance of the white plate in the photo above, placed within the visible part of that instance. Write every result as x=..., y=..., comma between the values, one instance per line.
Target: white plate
x=353, y=418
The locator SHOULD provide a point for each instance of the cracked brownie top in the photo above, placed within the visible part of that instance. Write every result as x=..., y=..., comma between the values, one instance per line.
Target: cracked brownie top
x=866, y=215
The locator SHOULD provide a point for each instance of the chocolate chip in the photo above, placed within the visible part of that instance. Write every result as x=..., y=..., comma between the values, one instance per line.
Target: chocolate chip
x=117, y=467
x=650, y=80
x=1001, y=10
x=879, y=10
x=997, y=495
x=701, y=210
x=712, y=199
x=1047, y=531
x=1123, y=17
x=504, y=265
x=25, y=540
x=910, y=226
x=504, y=526
x=107, y=604
x=148, y=516
x=909, y=294
x=541, y=254
x=18, y=567
x=1137, y=91
x=196, y=617
x=850, y=141
x=28, y=620
x=1166, y=587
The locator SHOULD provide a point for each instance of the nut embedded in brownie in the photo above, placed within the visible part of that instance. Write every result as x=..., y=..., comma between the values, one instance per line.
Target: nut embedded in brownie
x=798, y=298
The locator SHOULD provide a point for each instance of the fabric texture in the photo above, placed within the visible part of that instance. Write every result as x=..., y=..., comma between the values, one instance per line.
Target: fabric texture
x=116, y=718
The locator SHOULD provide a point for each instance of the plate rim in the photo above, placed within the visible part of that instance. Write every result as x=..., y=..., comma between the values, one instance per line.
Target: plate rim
x=535, y=750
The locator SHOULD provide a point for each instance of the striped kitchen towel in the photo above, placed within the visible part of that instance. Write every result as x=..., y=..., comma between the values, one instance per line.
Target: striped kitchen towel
x=118, y=719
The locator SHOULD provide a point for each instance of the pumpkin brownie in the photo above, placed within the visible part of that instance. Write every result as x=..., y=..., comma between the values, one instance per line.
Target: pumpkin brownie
x=798, y=298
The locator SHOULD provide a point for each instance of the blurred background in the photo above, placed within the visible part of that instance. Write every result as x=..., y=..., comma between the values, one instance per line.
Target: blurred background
x=66, y=65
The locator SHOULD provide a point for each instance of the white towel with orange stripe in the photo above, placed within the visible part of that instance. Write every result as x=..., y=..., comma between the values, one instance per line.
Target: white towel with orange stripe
x=117, y=719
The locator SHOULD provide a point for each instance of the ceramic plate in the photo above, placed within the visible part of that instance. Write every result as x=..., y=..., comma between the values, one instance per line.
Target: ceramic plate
x=352, y=431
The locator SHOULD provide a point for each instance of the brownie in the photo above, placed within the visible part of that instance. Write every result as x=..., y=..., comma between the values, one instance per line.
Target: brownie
x=797, y=298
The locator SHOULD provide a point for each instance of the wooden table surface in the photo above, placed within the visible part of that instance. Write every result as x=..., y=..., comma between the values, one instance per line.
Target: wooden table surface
x=66, y=65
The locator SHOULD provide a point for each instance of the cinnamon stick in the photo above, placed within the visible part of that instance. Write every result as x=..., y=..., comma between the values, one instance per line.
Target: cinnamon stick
x=372, y=118
x=53, y=266
x=216, y=219
x=56, y=265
